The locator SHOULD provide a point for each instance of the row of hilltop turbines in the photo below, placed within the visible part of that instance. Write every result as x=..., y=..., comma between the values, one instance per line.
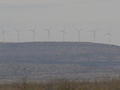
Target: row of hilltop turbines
x=48, y=32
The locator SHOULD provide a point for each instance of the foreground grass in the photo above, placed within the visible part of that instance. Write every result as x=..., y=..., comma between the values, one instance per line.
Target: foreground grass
x=65, y=85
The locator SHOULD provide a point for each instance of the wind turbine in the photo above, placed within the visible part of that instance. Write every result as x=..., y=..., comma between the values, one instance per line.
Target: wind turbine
x=3, y=32
x=3, y=35
x=63, y=35
x=34, y=33
x=18, y=35
x=94, y=34
x=48, y=32
x=109, y=35
x=79, y=34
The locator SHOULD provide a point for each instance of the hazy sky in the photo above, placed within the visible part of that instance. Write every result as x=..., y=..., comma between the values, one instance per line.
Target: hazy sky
x=101, y=15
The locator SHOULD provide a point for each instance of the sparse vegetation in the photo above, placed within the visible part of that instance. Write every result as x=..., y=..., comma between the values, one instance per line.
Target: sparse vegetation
x=113, y=84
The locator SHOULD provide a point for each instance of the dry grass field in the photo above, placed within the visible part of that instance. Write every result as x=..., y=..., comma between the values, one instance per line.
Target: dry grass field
x=63, y=84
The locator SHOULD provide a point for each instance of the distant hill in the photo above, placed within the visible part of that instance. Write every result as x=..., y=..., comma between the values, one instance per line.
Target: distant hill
x=46, y=60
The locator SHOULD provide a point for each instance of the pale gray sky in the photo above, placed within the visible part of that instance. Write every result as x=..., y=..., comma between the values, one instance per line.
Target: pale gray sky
x=101, y=15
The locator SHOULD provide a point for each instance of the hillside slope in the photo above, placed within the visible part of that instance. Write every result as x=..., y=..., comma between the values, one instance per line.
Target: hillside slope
x=46, y=60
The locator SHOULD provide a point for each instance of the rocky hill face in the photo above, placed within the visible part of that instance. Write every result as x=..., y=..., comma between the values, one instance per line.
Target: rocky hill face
x=46, y=60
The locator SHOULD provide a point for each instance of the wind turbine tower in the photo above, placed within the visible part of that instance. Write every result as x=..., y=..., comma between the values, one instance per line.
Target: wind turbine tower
x=63, y=35
x=94, y=34
x=79, y=34
x=48, y=32
x=109, y=36
x=3, y=32
x=3, y=35
x=34, y=33
x=18, y=35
